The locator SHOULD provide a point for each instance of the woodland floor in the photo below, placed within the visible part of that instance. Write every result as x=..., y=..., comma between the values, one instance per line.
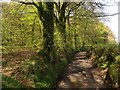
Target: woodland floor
x=14, y=60
x=80, y=73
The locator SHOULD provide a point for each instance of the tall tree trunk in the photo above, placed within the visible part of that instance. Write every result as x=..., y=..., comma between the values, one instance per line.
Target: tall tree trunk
x=69, y=29
x=62, y=22
x=47, y=18
x=75, y=39
x=62, y=29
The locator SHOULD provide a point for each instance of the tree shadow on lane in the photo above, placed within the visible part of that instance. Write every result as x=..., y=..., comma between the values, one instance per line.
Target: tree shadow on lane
x=81, y=74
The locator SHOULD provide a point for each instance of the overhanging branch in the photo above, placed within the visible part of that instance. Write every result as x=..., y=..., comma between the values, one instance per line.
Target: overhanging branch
x=74, y=8
x=28, y=3
x=107, y=15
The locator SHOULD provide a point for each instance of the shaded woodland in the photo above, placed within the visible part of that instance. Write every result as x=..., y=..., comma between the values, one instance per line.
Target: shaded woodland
x=39, y=39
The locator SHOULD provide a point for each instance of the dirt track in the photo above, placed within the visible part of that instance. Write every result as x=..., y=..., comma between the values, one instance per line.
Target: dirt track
x=81, y=74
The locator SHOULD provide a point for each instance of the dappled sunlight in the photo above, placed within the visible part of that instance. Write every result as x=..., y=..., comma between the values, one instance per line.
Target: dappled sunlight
x=57, y=45
x=79, y=75
x=13, y=64
x=63, y=84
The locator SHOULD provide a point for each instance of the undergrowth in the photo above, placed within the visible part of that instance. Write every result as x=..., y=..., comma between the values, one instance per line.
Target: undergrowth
x=35, y=73
x=8, y=82
x=108, y=56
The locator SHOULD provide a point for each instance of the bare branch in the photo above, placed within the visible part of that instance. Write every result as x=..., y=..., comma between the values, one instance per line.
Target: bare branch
x=64, y=6
x=56, y=19
x=107, y=15
x=74, y=8
x=57, y=6
x=28, y=3
x=62, y=11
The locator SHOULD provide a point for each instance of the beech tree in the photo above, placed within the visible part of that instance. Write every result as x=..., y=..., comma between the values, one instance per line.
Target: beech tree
x=47, y=15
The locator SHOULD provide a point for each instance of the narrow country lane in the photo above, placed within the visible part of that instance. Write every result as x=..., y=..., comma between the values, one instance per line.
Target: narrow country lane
x=80, y=74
